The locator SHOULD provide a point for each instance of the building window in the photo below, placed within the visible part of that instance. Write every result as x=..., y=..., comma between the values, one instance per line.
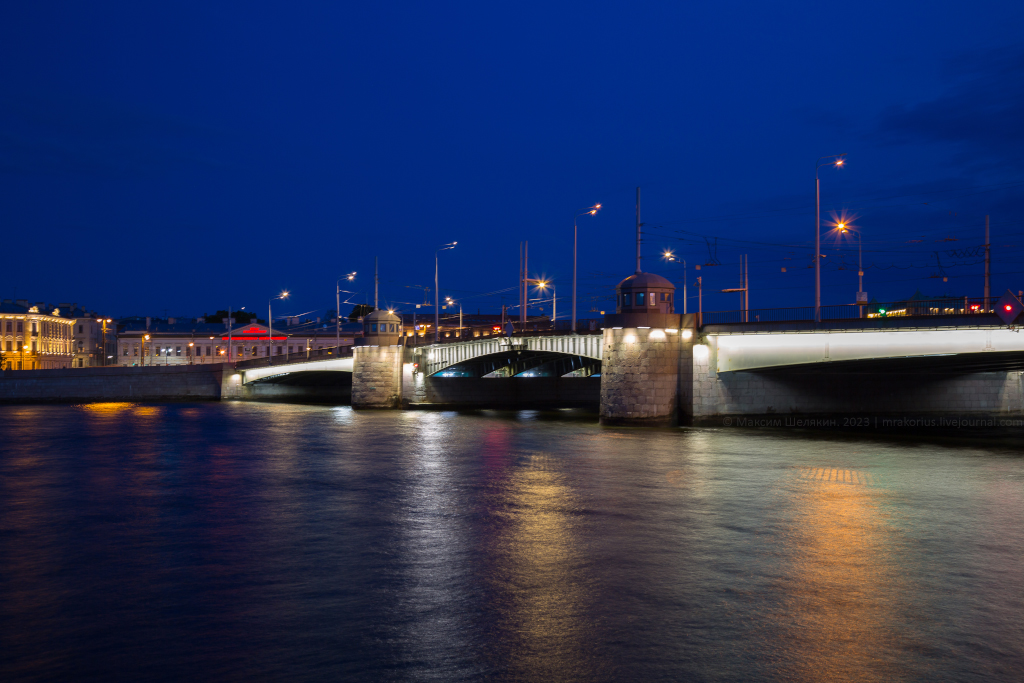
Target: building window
x=81, y=329
x=125, y=349
x=373, y=327
x=33, y=346
x=291, y=349
x=177, y=351
x=654, y=298
x=280, y=350
x=639, y=298
x=21, y=327
x=35, y=327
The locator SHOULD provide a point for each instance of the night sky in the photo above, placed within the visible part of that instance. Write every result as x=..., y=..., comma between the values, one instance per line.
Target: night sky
x=179, y=158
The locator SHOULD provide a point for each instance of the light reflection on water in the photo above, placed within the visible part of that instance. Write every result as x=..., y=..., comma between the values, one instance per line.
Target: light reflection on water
x=255, y=541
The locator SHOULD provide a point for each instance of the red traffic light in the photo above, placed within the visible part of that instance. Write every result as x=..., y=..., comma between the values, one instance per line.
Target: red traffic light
x=1008, y=308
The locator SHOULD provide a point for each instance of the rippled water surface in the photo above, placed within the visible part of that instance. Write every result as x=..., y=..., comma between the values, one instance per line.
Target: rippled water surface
x=242, y=541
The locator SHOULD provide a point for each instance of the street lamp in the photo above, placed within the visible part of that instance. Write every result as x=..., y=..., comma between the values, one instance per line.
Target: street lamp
x=844, y=228
x=836, y=160
x=337, y=310
x=270, y=326
x=669, y=256
x=437, y=310
x=451, y=302
x=541, y=284
x=229, y=331
x=589, y=211
x=142, y=351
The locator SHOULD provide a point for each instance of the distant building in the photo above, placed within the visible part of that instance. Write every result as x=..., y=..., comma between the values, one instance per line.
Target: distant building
x=171, y=342
x=94, y=337
x=35, y=337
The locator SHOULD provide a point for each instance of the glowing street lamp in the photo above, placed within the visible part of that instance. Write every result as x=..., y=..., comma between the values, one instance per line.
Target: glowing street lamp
x=270, y=326
x=337, y=305
x=589, y=211
x=437, y=309
x=843, y=227
x=541, y=284
x=669, y=256
x=837, y=161
x=448, y=301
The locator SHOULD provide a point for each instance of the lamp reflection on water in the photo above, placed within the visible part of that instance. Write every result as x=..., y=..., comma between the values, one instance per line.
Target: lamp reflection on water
x=841, y=593
x=542, y=573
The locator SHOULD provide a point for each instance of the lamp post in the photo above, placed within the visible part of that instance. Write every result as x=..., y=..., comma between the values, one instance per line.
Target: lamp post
x=669, y=256
x=700, y=302
x=861, y=298
x=437, y=309
x=451, y=302
x=543, y=284
x=270, y=326
x=588, y=211
x=103, y=339
x=142, y=351
x=836, y=160
x=337, y=304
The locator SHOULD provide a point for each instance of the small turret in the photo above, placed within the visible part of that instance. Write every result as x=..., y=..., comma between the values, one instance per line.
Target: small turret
x=381, y=328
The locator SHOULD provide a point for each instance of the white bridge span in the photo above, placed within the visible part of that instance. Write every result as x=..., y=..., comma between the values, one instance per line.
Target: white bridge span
x=749, y=351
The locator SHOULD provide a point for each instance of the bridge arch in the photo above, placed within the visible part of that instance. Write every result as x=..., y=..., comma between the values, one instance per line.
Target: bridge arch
x=546, y=355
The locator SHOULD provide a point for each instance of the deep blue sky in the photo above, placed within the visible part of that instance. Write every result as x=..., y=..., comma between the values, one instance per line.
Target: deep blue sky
x=183, y=157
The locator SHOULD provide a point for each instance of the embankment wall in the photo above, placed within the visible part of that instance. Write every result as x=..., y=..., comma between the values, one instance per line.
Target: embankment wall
x=73, y=385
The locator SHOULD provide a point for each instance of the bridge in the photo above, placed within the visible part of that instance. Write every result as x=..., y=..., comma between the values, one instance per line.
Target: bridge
x=939, y=359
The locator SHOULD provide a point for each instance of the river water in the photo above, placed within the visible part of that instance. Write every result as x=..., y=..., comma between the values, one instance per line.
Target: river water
x=241, y=541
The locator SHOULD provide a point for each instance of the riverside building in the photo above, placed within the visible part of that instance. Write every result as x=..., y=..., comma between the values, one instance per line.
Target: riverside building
x=35, y=337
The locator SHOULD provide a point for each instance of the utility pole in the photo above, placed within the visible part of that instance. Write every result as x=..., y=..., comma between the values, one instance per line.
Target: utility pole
x=376, y=283
x=988, y=291
x=524, y=263
x=229, y=334
x=742, y=289
x=638, y=230
x=700, y=302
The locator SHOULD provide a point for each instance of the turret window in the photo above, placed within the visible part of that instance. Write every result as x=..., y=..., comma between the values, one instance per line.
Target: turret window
x=640, y=298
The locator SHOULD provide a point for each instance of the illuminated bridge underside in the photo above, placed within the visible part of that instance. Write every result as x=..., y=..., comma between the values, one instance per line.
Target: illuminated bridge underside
x=523, y=364
x=285, y=374
x=973, y=350
x=434, y=359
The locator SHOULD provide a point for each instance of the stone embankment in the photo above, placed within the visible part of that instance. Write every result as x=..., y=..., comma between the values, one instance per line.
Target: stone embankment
x=74, y=385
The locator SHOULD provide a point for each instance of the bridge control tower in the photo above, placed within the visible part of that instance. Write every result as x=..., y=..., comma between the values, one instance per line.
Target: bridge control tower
x=647, y=357
x=377, y=362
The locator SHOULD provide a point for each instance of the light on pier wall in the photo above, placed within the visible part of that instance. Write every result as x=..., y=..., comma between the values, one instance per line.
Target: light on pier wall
x=630, y=339
x=700, y=351
x=687, y=334
x=657, y=334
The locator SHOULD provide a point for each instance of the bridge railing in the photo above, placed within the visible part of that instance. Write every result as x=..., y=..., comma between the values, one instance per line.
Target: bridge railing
x=545, y=328
x=895, y=309
x=329, y=353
